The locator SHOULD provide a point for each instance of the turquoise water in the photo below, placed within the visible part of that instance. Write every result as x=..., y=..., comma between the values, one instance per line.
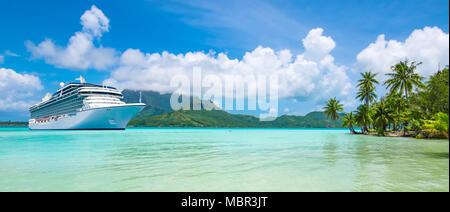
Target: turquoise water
x=149, y=159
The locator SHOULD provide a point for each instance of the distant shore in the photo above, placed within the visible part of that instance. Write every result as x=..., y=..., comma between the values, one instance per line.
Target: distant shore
x=13, y=124
x=409, y=134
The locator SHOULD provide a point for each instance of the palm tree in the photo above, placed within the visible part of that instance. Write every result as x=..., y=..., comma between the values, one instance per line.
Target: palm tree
x=397, y=105
x=332, y=108
x=366, y=87
x=364, y=117
x=382, y=116
x=404, y=78
x=349, y=121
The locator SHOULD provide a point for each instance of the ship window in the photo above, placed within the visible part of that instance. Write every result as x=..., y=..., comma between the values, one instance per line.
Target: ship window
x=97, y=92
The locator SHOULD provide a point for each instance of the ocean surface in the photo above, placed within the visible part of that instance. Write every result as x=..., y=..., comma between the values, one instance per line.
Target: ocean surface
x=153, y=159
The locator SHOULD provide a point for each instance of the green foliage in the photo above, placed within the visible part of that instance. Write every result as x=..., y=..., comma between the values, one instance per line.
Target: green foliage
x=432, y=134
x=311, y=120
x=366, y=87
x=158, y=113
x=441, y=122
x=220, y=118
x=13, y=124
x=332, y=108
x=438, y=87
x=397, y=107
x=366, y=93
x=363, y=117
x=416, y=124
x=433, y=98
x=381, y=131
x=349, y=121
x=429, y=107
x=424, y=111
x=420, y=136
x=382, y=115
x=404, y=78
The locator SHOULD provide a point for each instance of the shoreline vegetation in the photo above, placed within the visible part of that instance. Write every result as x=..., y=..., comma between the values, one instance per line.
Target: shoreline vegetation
x=158, y=113
x=223, y=119
x=13, y=124
x=412, y=107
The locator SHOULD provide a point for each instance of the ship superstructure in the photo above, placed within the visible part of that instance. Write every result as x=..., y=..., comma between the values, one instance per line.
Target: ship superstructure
x=83, y=106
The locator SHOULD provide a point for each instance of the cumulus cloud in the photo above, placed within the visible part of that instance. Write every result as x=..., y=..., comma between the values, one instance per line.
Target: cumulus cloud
x=95, y=22
x=16, y=90
x=80, y=52
x=429, y=45
x=317, y=46
x=312, y=74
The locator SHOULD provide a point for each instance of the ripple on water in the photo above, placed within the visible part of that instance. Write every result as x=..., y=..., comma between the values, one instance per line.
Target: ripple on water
x=219, y=160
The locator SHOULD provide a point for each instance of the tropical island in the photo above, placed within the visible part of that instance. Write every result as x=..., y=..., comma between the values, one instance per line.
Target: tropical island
x=410, y=108
x=223, y=119
x=158, y=113
x=13, y=124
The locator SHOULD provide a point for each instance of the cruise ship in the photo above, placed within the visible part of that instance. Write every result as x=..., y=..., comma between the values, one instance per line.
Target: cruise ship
x=83, y=106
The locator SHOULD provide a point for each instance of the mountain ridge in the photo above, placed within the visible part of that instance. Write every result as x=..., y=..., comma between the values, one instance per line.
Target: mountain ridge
x=158, y=113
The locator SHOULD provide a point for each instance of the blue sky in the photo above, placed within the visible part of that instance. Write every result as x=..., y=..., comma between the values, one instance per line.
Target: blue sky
x=231, y=27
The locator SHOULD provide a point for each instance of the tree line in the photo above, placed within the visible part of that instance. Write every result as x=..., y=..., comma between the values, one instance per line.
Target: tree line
x=410, y=107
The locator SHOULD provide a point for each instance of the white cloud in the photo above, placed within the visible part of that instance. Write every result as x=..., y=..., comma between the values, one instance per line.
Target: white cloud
x=317, y=46
x=17, y=89
x=81, y=52
x=95, y=22
x=10, y=53
x=429, y=45
x=336, y=80
x=312, y=74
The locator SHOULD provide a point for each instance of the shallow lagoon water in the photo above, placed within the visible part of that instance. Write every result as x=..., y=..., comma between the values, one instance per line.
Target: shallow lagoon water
x=174, y=159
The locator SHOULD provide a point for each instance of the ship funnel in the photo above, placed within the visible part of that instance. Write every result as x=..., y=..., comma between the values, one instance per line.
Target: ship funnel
x=61, y=84
x=47, y=97
x=81, y=79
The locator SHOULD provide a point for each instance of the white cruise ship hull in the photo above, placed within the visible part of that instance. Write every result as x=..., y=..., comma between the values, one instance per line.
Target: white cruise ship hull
x=103, y=118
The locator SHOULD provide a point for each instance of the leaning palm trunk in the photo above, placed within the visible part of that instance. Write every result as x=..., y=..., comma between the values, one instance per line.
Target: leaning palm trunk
x=366, y=129
x=406, y=95
x=352, y=130
x=404, y=129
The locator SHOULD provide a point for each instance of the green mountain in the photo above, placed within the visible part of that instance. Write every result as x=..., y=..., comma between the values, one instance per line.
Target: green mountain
x=158, y=113
x=196, y=118
x=314, y=119
x=155, y=103
x=220, y=118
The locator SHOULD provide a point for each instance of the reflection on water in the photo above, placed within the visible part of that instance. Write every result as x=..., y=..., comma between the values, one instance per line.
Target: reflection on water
x=437, y=155
x=330, y=150
x=218, y=160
